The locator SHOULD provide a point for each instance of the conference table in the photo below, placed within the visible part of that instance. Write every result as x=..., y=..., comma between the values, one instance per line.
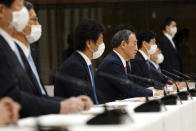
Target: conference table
x=180, y=117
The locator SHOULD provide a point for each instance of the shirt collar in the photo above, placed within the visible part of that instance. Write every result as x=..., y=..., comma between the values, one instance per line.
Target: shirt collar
x=88, y=61
x=26, y=50
x=8, y=38
x=168, y=36
x=170, y=39
x=144, y=55
x=122, y=59
x=155, y=65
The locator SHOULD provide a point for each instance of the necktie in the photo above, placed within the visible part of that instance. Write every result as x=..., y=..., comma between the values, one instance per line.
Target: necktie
x=29, y=71
x=33, y=67
x=93, y=84
x=148, y=63
x=125, y=68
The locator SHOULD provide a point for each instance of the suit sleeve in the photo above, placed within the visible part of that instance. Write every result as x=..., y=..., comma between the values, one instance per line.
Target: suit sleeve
x=129, y=90
x=65, y=87
x=31, y=105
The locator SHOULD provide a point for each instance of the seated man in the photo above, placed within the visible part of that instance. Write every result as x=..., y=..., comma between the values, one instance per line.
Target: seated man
x=141, y=64
x=124, y=45
x=155, y=60
x=15, y=81
x=9, y=111
x=89, y=45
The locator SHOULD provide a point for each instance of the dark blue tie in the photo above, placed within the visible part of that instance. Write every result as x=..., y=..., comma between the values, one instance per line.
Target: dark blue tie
x=148, y=63
x=93, y=84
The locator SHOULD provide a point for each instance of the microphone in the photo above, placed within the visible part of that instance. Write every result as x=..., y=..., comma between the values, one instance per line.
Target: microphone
x=179, y=95
x=148, y=106
x=167, y=99
x=184, y=94
x=76, y=81
x=114, y=116
x=191, y=91
x=85, y=86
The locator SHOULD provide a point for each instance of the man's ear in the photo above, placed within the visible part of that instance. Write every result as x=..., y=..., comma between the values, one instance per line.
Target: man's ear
x=143, y=43
x=123, y=44
x=88, y=44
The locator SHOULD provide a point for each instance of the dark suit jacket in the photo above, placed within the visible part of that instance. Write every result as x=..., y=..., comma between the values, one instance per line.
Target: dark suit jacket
x=35, y=55
x=157, y=76
x=172, y=59
x=140, y=68
x=75, y=66
x=16, y=84
x=113, y=89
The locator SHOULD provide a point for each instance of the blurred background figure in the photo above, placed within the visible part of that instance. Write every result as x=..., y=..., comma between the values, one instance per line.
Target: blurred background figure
x=168, y=47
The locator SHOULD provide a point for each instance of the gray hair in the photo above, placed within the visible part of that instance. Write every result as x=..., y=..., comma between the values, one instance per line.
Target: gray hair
x=120, y=36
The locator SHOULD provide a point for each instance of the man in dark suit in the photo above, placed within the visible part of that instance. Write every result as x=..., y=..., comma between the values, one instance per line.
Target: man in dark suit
x=156, y=59
x=15, y=81
x=124, y=48
x=167, y=45
x=141, y=64
x=89, y=45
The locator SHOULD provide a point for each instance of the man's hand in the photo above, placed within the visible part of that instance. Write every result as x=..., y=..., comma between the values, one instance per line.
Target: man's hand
x=158, y=93
x=87, y=102
x=9, y=111
x=75, y=104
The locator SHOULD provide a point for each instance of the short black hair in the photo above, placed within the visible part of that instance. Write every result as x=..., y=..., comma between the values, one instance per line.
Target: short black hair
x=119, y=37
x=87, y=30
x=7, y=3
x=28, y=5
x=125, y=27
x=167, y=22
x=146, y=35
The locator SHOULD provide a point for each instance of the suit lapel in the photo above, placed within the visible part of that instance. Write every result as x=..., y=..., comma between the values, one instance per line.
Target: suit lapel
x=16, y=67
x=84, y=64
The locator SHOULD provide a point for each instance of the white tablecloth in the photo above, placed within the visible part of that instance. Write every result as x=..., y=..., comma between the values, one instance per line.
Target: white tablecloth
x=181, y=117
x=176, y=118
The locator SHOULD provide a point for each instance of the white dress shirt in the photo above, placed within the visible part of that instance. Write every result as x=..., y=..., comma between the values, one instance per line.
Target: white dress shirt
x=144, y=55
x=121, y=58
x=170, y=39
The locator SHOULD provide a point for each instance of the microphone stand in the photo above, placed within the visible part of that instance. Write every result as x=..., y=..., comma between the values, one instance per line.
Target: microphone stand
x=191, y=91
x=166, y=99
x=148, y=106
x=183, y=94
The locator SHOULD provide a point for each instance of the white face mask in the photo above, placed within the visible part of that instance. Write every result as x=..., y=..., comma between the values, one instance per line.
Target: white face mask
x=160, y=59
x=173, y=31
x=152, y=49
x=36, y=32
x=20, y=19
x=99, y=52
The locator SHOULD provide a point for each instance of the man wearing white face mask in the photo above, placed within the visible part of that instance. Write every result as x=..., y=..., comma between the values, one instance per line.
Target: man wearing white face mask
x=89, y=45
x=15, y=81
x=156, y=59
x=167, y=45
x=141, y=64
